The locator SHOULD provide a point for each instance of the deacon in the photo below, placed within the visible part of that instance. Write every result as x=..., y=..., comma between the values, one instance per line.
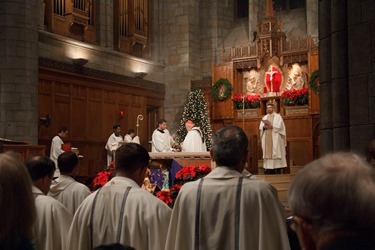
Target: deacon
x=65, y=188
x=162, y=140
x=121, y=211
x=227, y=209
x=53, y=218
x=273, y=141
x=194, y=141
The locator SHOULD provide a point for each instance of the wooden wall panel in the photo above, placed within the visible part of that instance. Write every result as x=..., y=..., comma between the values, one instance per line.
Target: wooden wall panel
x=89, y=107
x=223, y=109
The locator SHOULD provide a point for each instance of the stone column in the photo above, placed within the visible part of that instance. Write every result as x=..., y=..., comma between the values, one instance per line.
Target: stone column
x=326, y=113
x=312, y=17
x=104, y=24
x=340, y=90
x=19, y=70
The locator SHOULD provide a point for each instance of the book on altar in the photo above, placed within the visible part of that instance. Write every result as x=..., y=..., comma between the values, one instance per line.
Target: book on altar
x=266, y=122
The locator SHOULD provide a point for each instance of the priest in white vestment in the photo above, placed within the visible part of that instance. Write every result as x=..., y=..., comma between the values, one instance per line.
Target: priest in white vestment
x=162, y=141
x=113, y=142
x=121, y=211
x=53, y=218
x=131, y=137
x=227, y=209
x=194, y=141
x=56, y=147
x=273, y=140
x=66, y=189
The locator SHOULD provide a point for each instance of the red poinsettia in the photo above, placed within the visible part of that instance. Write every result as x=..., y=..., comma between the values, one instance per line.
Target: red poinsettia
x=296, y=96
x=186, y=174
x=102, y=177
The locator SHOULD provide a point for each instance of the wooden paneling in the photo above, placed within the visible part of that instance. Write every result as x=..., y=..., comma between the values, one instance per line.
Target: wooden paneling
x=89, y=107
x=223, y=109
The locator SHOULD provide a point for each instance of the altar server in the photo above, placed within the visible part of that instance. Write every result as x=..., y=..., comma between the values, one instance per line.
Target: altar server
x=65, y=188
x=114, y=141
x=53, y=218
x=194, y=141
x=227, y=209
x=121, y=211
x=162, y=141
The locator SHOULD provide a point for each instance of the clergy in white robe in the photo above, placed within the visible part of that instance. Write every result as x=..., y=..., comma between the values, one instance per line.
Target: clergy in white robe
x=194, y=140
x=162, y=141
x=273, y=139
x=52, y=218
x=113, y=142
x=227, y=209
x=56, y=147
x=131, y=137
x=122, y=212
x=65, y=188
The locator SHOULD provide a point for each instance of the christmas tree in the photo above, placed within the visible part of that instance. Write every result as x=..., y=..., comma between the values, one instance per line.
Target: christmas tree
x=196, y=110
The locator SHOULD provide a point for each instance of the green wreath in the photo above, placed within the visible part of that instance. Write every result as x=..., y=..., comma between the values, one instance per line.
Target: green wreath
x=313, y=84
x=221, y=89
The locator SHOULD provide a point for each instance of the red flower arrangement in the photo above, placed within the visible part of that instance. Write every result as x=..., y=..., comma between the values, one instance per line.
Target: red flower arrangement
x=250, y=100
x=102, y=177
x=186, y=174
x=297, y=97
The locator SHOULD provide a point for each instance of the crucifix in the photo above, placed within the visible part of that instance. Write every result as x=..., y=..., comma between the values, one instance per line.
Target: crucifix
x=271, y=72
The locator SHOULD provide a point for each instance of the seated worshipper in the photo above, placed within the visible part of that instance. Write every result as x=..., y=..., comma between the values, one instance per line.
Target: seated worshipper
x=332, y=200
x=65, y=188
x=194, y=141
x=17, y=205
x=113, y=142
x=213, y=212
x=121, y=211
x=131, y=137
x=53, y=218
x=162, y=141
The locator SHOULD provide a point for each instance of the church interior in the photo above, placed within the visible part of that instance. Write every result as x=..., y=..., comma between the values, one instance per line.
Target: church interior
x=88, y=65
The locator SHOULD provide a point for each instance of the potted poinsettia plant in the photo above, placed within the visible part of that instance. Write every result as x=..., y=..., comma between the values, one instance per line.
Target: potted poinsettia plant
x=186, y=174
x=241, y=101
x=298, y=97
x=102, y=177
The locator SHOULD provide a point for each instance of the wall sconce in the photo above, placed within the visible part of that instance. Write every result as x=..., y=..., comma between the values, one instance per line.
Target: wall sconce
x=45, y=121
x=79, y=61
x=140, y=75
x=121, y=113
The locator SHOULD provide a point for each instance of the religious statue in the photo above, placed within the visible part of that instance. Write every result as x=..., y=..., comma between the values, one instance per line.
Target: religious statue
x=297, y=79
x=273, y=79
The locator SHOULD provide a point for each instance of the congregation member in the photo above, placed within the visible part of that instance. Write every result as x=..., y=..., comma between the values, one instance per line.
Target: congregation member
x=227, y=209
x=194, y=140
x=131, y=137
x=370, y=152
x=17, y=207
x=57, y=147
x=273, y=141
x=53, y=218
x=113, y=142
x=162, y=140
x=65, y=188
x=332, y=202
x=121, y=211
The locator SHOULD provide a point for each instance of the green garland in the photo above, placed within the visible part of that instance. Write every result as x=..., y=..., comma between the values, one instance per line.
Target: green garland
x=313, y=85
x=221, y=89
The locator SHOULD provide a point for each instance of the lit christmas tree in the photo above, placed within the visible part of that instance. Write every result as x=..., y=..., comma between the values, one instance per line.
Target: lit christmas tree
x=196, y=109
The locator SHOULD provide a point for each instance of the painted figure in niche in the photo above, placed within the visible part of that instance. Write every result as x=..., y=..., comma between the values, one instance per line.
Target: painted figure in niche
x=273, y=79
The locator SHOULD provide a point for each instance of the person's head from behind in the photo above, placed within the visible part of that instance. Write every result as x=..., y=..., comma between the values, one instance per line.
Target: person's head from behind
x=15, y=196
x=189, y=125
x=162, y=124
x=63, y=132
x=132, y=161
x=331, y=198
x=116, y=129
x=67, y=163
x=230, y=147
x=41, y=169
